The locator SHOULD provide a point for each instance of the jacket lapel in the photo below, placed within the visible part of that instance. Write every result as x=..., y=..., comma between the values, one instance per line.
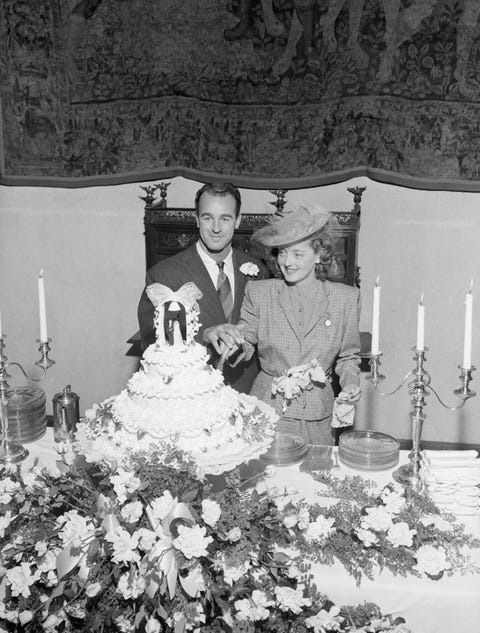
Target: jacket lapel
x=321, y=306
x=210, y=303
x=286, y=306
x=240, y=283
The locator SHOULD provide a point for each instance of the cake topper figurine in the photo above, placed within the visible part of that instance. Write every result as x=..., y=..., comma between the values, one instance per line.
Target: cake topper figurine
x=171, y=309
x=175, y=323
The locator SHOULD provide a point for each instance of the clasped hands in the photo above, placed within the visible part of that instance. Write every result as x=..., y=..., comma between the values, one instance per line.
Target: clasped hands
x=227, y=340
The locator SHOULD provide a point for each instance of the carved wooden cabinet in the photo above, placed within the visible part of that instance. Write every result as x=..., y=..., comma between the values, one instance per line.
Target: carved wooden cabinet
x=171, y=229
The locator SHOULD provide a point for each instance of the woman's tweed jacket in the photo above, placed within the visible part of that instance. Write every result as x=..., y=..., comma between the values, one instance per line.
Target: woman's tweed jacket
x=269, y=321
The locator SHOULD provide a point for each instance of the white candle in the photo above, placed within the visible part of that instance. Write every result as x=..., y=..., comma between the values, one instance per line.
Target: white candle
x=376, y=318
x=467, y=340
x=421, y=325
x=42, y=309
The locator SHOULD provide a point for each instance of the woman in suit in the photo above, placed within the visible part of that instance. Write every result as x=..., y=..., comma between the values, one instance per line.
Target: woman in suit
x=303, y=327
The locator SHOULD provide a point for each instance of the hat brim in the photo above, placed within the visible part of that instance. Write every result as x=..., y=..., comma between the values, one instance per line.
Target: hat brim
x=286, y=232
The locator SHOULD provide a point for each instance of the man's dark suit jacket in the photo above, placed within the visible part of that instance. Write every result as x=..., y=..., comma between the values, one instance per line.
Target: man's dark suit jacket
x=187, y=266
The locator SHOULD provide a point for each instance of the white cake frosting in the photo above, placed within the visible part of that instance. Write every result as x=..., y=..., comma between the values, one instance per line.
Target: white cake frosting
x=178, y=401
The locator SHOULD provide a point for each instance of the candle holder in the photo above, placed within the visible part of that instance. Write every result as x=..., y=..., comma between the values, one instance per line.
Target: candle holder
x=419, y=388
x=13, y=452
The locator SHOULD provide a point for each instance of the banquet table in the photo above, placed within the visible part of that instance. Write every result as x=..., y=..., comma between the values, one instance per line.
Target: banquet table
x=448, y=605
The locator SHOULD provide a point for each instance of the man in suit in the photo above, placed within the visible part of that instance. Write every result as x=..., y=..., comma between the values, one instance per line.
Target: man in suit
x=217, y=208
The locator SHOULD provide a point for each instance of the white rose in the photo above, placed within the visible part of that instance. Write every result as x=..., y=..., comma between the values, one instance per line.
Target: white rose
x=29, y=479
x=75, y=528
x=211, y=512
x=146, y=539
x=132, y=511
x=48, y=562
x=41, y=547
x=393, y=499
x=192, y=541
x=400, y=534
x=253, y=608
x=290, y=521
x=291, y=599
x=25, y=616
x=303, y=519
x=131, y=585
x=162, y=506
x=437, y=521
x=153, y=626
x=431, y=560
x=378, y=518
x=5, y=521
x=124, y=483
x=367, y=537
x=234, y=534
x=325, y=620
x=124, y=545
x=320, y=528
x=20, y=578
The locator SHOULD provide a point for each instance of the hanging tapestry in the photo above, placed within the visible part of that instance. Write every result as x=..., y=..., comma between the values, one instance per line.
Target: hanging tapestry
x=265, y=92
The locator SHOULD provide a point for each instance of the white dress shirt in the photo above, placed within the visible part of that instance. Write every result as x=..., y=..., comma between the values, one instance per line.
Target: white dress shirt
x=212, y=268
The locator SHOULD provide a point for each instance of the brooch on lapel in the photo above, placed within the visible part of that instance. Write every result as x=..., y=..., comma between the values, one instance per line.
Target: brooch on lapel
x=249, y=269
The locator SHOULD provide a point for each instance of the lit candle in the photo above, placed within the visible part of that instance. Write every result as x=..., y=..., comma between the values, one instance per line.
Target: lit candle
x=42, y=309
x=467, y=340
x=376, y=318
x=421, y=325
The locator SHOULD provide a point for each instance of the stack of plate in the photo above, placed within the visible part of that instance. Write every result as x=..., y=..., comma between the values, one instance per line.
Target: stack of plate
x=27, y=420
x=368, y=450
x=287, y=449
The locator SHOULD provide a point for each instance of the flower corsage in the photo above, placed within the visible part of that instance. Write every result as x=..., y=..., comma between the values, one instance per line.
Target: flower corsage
x=296, y=380
x=249, y=269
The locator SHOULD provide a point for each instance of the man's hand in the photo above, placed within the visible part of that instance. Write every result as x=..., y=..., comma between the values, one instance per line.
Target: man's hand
x=226, y=339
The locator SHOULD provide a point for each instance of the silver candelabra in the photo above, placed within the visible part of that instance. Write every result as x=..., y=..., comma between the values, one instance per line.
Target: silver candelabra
x=11, y=452
x=419, y=387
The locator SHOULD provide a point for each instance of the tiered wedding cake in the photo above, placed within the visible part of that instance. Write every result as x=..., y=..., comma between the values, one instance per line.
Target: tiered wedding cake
x=176, y=401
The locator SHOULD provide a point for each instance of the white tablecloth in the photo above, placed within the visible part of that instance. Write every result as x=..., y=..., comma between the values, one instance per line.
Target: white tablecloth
x=448, y=605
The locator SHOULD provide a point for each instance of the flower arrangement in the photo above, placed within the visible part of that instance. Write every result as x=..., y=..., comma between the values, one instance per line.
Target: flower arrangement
x=149, y=547
x=296, y=380
x=154, y=549
x=249, y=269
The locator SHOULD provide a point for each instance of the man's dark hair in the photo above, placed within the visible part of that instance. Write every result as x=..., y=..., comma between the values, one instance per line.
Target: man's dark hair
x=220, y=189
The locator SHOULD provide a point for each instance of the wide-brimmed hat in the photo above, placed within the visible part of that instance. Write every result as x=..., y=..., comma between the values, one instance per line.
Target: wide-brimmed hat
x=291, y=226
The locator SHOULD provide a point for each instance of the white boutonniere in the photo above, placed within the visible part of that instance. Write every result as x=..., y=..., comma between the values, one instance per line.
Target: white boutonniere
x=249, y=269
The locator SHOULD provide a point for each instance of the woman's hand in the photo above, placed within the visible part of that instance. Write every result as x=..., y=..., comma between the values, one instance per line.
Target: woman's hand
x=344, y=406
x=349, y=394
x=226, y=339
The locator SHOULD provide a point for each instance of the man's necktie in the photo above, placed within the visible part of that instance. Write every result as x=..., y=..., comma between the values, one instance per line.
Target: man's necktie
x=224, y=291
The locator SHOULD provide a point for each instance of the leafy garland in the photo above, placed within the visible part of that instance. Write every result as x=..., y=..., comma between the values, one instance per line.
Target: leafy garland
x=154, y=549
x=424, y=525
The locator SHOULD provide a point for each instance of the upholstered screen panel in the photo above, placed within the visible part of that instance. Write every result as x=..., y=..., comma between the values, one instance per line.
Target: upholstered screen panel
x=270, y=93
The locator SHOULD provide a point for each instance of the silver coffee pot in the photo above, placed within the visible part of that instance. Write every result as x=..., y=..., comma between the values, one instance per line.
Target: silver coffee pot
x=65, y=415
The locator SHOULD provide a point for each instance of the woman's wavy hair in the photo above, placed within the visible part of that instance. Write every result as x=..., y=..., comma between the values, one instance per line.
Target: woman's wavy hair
x=322, y=244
